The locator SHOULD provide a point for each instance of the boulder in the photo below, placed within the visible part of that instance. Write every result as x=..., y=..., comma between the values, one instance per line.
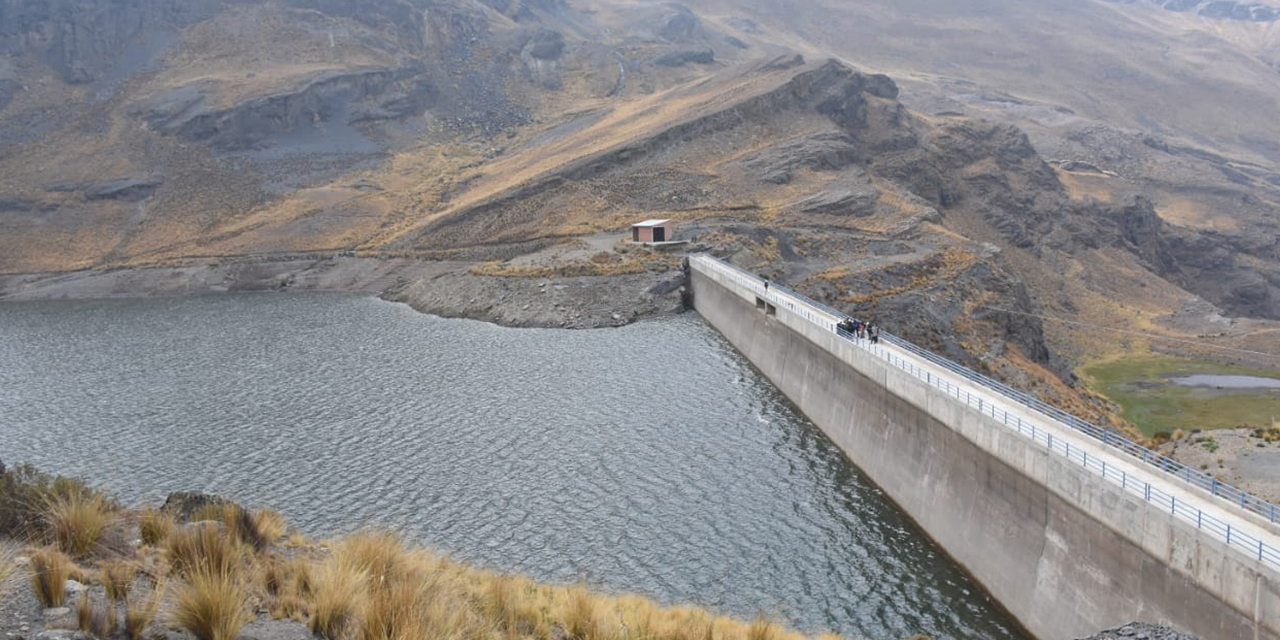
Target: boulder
x=183, y=505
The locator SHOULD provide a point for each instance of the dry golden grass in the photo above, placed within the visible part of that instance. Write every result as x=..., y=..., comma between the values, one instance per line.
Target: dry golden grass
x=93, y=621
x=76, y=522
x=84, y=613
x=270, y=524
x=141, y=611
x=242, y=523
x=288, y=585
x=368, y=586
x=202, y=547
x=50, y=569
x=155, y=525
x=116, y=576
x=209, y=513
x=211, y=605
x=8, y=566
x=256, y=530
x=340, y=590
x=373, y=587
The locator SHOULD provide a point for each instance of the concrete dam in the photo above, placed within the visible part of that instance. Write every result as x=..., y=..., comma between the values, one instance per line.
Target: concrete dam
x=1072, y=528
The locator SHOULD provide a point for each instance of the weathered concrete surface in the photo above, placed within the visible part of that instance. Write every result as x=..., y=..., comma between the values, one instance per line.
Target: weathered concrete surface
x=1065, y=552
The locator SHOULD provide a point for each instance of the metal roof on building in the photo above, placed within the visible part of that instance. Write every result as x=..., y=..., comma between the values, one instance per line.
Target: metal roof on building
x=652, y=223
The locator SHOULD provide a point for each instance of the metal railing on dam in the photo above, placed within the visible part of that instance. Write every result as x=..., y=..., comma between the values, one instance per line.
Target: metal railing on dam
x=1234, y=535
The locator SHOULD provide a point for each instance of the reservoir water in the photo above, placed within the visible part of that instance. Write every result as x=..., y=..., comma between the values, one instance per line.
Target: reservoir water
x=651, y=458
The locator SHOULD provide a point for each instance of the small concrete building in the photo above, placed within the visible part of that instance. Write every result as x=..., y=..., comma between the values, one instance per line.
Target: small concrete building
x=651, y=231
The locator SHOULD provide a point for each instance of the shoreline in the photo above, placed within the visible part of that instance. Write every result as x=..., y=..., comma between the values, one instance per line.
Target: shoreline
x=445, y=289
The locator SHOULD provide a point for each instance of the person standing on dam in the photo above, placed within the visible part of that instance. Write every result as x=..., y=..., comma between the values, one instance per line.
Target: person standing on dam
x=873, y=332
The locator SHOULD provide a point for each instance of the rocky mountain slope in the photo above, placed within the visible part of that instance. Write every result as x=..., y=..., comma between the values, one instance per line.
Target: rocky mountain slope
x=994, y=185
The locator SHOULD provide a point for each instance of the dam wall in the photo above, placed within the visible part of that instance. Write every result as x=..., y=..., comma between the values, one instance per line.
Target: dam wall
x=1069, y=537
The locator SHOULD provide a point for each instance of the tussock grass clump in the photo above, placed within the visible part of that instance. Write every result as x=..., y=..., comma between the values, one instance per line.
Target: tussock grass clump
x=116, y=576
x=93, y=621
x=50, y=570
x=270, y=524
x=281, y=577
x=762, y=629
x=155, y=525
x=582, y=620
x=507, y=603
x=211, y=605
x=84, y=613
x=76, y=522
x=241, y=523
x=254, y=530
x=288, y=584
x=338, y=601
x=201, y=547
x=379, y=554
x=141, y=610
x=395, y=611
x=8, y=566
x=24, y=495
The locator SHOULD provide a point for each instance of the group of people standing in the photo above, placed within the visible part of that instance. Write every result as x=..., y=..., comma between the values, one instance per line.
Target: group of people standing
x=861, y=330
x=855, y=328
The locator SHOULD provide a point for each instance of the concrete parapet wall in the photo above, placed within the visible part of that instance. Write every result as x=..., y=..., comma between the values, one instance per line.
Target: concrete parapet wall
x=1066, y=552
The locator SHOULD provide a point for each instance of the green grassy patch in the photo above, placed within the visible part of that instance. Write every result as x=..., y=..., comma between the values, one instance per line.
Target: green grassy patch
x=1141, y=386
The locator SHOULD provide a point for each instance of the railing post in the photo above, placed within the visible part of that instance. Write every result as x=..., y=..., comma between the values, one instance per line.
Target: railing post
x=1228, y=534
x=1148, y=498
x=1173, y=508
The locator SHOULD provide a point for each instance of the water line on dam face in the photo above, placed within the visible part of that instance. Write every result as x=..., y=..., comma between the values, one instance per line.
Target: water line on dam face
x=544, y=452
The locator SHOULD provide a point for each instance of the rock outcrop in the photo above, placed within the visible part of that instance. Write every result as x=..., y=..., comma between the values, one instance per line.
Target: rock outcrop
x=184, y=505
x=81, y=38
x=682, y=57
x=828, y=151
x=375, y=94
x=1141, y=631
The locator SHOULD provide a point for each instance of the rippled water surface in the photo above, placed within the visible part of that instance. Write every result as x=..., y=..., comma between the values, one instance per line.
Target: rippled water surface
x=650, y=458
